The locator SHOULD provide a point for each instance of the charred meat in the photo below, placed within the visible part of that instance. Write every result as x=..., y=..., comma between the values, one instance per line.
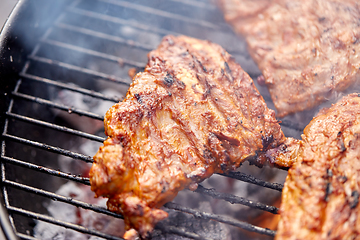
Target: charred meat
x=191, y=113
x=283, y=156
x=320, y=199
x=306, y=50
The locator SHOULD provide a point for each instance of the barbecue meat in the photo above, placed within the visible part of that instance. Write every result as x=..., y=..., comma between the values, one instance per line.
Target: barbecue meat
x=306, y=49
x=192, y=113
x=283, y=156
x=321, y=194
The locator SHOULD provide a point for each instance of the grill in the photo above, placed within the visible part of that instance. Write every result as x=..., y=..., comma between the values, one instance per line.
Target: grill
x=53, y=110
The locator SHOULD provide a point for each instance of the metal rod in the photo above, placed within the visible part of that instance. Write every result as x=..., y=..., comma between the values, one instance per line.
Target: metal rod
x=60, y=223
x=58, y=197
x=2, y=169
x=5, y=224
x=151, y=29
x=292, y=125
x=104, y=76
x=56, y=127
x=68, y=109
x=121, y=21
x=236, y=199
x=49, y=171
x=223, y=219
x=5, y=194
x=179, y=231
x=49, y=148
x=161, y=13
x=105, y=36
x=196, y=3
x=24, y=236
x=6, y=221
x=250, y=179
x=93, y=53
x=69, y=87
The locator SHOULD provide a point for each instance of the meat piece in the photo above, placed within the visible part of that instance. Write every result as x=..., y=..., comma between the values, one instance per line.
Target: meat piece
x=283, y=156
x=193, y=112
x=321, y=193
x=306, y=50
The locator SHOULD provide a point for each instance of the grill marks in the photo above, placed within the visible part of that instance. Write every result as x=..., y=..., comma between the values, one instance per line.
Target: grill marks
x=216, y=101
x=168, y=80
x=320, y=198
x=355, y=199
x=305, y=57
x=195, y=113
x=185, y=103
x=223, y=97
x=179, y=106
x=222, y=103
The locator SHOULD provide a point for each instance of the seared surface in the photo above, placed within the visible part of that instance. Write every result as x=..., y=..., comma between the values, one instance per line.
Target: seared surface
x=306, y=50
x=321, y=194
x=285, y=155
x=193, y=112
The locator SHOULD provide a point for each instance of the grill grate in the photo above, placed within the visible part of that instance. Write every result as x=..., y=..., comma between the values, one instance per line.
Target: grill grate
x=61, y=63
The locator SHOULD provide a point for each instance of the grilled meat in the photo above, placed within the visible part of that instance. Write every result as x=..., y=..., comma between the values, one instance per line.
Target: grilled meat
x=283, y=156
x=321, y=194
x=306, y=50
x=192, y=113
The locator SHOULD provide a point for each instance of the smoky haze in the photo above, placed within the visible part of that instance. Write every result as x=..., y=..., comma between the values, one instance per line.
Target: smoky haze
x=92, y=45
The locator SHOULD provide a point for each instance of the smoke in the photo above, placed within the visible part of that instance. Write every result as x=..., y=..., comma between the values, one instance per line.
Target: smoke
x=92, y=45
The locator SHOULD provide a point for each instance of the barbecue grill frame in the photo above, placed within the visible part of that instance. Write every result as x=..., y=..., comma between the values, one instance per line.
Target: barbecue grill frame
x=11, y=73
x=8, y=76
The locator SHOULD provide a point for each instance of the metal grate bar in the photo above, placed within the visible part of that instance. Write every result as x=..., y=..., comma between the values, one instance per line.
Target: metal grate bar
x=121, y=21
x=24, y=236
x=196, y=3
x=60, y=223
x=49, y=171
x=235, y=199
x=105, y=36
x=3, y=188
x=56, y=127
x=161, y=13
x=104, y=76
x=228, y=197
x=49, y=148
x=179, y=231
x=292, y=125
x=168, y=229
x=250, y=179
x=58, y=197
x=58, y=106
x=69, y=87
x=85, y=181
x=151, y=29
x=6, y=226
x=93, y=53
x=223, y=219
x=209, y=192
x=82, y=229
x=92, y=207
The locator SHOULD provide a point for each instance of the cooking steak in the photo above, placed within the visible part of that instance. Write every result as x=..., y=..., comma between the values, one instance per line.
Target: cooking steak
x=191, y=113
x=321, y=193
x=306, y=50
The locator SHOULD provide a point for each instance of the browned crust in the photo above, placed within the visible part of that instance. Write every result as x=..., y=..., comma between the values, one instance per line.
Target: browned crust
x=285, y=155
x=193, y=112
x=307, y=50
x=321, y=193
